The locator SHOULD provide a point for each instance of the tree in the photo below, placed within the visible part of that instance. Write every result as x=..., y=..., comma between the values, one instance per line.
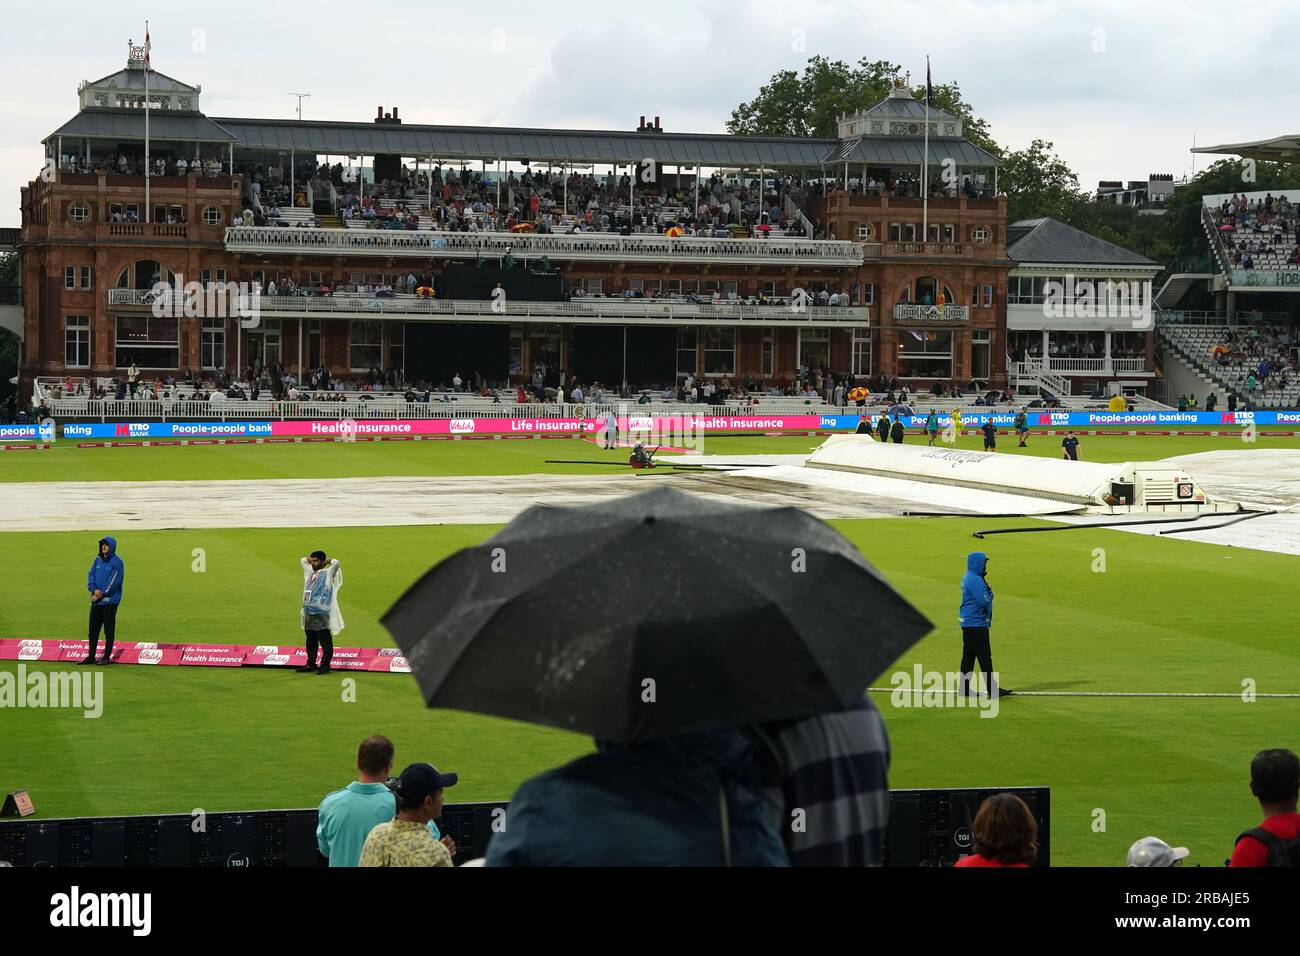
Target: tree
x=811, y=104
x=1039, y=183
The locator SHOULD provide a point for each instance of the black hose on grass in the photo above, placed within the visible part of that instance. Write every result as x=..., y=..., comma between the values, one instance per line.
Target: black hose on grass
x=1244, y=517
x=1119, y=524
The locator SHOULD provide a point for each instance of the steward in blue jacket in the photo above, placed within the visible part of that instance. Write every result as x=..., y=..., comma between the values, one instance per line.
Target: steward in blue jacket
x=104, y=582
x=975, y=617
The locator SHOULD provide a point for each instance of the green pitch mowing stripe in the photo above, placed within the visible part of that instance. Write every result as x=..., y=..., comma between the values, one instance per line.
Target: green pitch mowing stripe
x=1165, y=615
x=66, y=462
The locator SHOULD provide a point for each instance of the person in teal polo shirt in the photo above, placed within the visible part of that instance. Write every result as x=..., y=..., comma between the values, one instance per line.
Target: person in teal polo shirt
x=347, y=816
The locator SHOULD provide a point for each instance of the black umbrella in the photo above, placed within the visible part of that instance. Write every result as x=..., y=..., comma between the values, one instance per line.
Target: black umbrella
x=651, y=616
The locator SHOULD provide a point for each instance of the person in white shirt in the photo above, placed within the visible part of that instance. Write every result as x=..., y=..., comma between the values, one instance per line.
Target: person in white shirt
x=272, y=288
x=181, y=166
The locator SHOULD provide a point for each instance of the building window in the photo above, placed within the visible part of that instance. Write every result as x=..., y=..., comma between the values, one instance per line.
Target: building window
x=814, y=348
x=868, y=293
x=865, y=232
x=264, y=342
x=78, y=212
x=313, y=343
x=925, y=353
x=719, y=351
x=861, y=351
x=687, y=356
x=69, y=277
x=148, y=342
x=980, y=234
x=87, y=277
x=895, y=232
x=213, y=343
x=981, y=344
x=212, y=216
x=366, y=345
x=397, y=346
x=909, y=232
x=988, y=296
x=949, y=232
x=76, y=341
x=769, y=353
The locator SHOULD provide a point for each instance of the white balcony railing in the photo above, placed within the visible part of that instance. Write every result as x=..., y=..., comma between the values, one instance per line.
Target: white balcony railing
x=931, y=313
x=576, y=310
x=585, y=246
x=1083, y=366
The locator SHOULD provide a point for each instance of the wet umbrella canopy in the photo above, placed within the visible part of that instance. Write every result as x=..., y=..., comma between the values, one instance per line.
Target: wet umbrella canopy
x=651, y=616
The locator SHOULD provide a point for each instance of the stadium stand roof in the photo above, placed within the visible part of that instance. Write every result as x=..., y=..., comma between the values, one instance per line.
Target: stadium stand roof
x=1050, y=240
x=891, y=150
x=1278, y=149
x=535, y=145
x=129, y=125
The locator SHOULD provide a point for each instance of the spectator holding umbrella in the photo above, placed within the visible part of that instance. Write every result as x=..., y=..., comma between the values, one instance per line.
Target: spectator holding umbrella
x=835, y=768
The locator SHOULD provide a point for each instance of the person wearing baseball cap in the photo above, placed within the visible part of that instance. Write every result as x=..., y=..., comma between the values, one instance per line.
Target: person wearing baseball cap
x=405, y=840
x=1154, y=852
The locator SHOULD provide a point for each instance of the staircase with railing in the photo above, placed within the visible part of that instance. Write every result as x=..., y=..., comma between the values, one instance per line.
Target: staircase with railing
x=1035, y=377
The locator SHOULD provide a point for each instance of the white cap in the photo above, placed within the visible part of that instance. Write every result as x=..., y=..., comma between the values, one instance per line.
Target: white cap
x=1153, y=851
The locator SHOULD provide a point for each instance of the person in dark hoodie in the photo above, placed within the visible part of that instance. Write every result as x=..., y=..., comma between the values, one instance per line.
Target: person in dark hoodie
x=897, y=431
x=882, y=428
x=975, y=617
x=104, y=582
x=693, y=800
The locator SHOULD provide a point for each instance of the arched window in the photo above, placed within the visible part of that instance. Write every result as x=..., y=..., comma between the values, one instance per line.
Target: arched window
x=143, y=274
x=925, y=291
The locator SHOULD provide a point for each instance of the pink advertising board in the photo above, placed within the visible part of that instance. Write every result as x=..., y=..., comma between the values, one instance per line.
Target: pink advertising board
x=540, y=426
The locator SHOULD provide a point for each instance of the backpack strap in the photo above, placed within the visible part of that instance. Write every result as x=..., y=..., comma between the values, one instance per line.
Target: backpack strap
x=1266, y=837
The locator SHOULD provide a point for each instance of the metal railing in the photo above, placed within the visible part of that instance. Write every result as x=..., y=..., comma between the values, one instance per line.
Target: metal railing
x=950, y=313
x=584, y=309
x=1192, y=317
x=592, y=246
x=624, y=309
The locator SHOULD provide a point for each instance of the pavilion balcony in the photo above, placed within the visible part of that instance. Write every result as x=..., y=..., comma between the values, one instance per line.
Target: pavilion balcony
x=588, y=311
x=607, y=247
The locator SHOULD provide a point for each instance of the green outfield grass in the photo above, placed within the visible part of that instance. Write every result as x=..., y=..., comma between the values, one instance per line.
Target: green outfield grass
x=1165, y=615
x=66, y=462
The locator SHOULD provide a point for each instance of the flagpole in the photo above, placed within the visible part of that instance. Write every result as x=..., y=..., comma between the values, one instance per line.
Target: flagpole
x=148, y=205
x=925, y=162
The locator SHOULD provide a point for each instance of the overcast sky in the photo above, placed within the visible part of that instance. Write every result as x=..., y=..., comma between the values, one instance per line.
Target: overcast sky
x=1119, y=87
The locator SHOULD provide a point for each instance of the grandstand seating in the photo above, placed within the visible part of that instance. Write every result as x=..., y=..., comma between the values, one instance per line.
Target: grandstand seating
x=1273, y=229
x=1196, y=344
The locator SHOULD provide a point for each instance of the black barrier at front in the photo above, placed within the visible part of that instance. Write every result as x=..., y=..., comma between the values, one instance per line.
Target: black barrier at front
x=926, y=828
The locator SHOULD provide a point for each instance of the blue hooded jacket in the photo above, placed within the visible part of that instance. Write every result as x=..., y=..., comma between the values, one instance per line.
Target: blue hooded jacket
x=106, y=574
x=652, y=804
x=976, y=595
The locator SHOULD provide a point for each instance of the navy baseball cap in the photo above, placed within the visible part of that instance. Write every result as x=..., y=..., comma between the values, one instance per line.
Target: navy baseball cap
x=421, y=780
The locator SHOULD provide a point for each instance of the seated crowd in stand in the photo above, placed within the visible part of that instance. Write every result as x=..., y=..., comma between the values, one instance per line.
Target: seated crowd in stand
x=640, y=805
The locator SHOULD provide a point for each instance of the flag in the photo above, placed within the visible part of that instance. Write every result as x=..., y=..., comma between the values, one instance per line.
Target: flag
x=146, y=47
x=929, y=92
